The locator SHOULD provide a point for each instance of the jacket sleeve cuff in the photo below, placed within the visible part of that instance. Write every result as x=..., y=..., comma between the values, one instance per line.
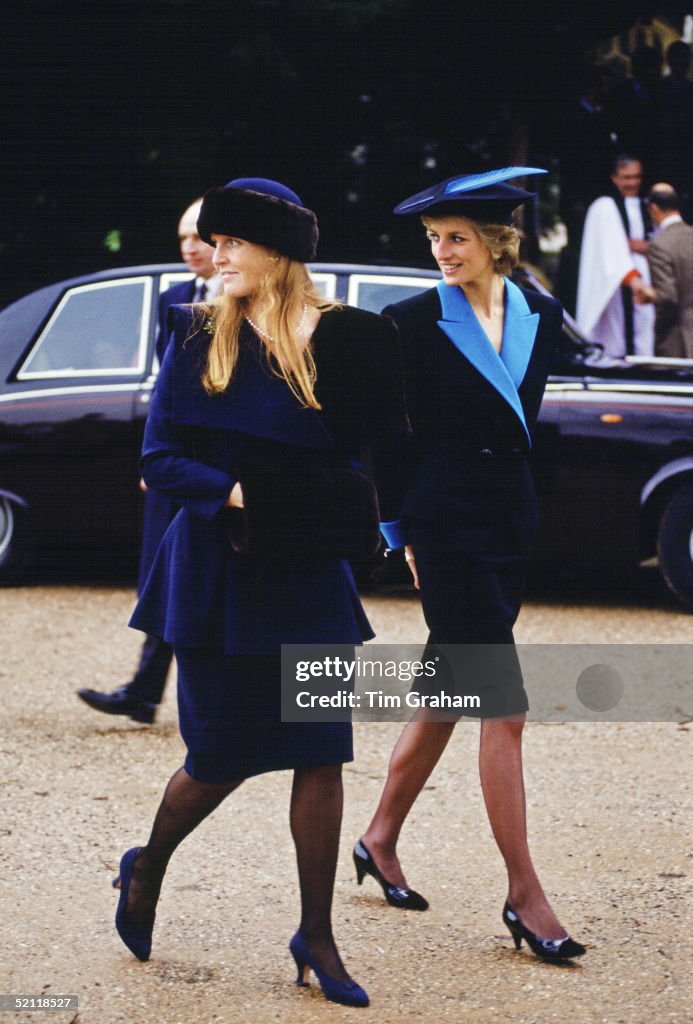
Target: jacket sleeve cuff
x=201, y=489
x=395, y=533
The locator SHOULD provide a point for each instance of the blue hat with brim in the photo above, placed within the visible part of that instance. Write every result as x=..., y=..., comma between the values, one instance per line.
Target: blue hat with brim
x=486, y=196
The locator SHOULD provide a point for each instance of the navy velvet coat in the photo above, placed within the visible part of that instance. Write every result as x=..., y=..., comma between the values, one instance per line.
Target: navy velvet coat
x=158, y=509
x=201, y=593
x=473, y=413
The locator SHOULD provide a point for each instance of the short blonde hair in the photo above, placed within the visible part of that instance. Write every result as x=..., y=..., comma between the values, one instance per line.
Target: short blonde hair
x=501, y=240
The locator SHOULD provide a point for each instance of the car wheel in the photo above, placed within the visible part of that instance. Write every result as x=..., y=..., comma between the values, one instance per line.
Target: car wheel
x=12, y=538
x=675, y=544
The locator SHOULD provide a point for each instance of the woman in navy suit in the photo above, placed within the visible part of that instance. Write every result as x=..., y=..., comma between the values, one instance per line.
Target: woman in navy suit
x=477, y=351
x=268, y=375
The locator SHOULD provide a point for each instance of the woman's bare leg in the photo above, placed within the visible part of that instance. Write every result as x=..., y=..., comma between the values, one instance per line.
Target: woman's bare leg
x=414, y=757
x=500, y=769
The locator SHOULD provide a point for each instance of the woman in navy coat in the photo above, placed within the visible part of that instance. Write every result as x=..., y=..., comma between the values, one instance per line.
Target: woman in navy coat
x=267, y=375
x=477, y=352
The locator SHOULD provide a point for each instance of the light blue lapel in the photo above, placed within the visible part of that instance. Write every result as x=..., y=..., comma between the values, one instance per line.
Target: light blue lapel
x=505, y=372
x=519, y=332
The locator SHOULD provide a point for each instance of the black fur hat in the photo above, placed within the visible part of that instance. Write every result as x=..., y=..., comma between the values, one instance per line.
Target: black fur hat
x=261, y=211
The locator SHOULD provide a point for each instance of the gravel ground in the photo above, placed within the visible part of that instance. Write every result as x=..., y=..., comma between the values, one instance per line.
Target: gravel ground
x=607, y=811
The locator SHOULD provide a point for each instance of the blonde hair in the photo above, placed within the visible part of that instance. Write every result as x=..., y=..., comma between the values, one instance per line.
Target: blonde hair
x=287, y=288
x=501, y=240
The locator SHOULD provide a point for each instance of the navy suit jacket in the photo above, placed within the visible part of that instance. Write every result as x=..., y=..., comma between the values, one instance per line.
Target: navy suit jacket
x=176, y=295
x=158, y=509
x=473, y=414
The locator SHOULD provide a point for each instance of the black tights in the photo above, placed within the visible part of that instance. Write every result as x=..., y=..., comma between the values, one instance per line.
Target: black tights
x=316, y=815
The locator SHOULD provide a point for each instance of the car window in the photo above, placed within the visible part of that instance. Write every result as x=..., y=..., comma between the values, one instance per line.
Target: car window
x=168, y=280
x=97, y=329
x=325, y=284
x=375, y=291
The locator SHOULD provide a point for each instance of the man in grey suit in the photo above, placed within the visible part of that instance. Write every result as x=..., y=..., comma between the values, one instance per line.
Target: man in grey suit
x=670, y=254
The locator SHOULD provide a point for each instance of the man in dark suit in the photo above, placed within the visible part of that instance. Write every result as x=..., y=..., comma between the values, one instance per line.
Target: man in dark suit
x=198, y=257
x=671, y=264
x=140, y=697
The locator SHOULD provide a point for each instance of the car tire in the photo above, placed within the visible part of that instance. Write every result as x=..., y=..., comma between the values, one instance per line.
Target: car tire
x=675, y=544
x=13, y=539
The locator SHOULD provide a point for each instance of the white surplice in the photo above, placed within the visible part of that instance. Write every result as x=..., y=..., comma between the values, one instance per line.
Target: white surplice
x=605, y=259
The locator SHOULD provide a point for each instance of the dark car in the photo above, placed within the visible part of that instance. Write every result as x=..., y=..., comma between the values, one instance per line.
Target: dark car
x=613, y=458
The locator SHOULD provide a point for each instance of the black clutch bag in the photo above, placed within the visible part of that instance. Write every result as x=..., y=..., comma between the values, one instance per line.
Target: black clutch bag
x=311, y=511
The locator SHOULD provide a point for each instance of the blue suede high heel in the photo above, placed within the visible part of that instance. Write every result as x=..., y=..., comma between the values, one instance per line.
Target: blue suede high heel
x=348, y=993
x=138, y=942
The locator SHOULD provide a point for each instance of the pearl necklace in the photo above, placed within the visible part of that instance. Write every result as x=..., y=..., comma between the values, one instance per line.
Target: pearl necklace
x=269, y=337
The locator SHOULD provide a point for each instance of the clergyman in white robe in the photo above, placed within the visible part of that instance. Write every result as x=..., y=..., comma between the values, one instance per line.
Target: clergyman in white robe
x=605, y=262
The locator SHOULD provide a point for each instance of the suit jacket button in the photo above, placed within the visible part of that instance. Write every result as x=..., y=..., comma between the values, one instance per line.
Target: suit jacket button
x=517, y=451
x=486, y=451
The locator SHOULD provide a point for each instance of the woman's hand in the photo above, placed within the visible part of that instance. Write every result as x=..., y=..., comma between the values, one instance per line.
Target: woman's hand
x=411, y=562
x=235, y=498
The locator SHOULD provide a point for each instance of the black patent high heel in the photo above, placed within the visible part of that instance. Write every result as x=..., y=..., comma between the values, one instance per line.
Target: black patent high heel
x=545, y=949
x=396, y=896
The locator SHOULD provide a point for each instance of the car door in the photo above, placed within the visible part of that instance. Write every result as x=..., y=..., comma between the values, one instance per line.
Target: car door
x=552, y=472
x=71, y=411
x=603, y=433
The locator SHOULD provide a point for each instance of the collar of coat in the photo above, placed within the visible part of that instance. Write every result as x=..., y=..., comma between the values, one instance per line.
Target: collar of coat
x=504, y=371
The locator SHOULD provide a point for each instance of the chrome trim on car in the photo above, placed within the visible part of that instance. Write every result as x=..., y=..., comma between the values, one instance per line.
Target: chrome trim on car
x=11, y=496
x=656, y=389
x=6, y=524
x=674, y=468
x=78, y=389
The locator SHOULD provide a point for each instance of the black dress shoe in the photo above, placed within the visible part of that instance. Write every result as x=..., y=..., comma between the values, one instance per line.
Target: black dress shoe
x=405, y=899
x=551, y=950
x=120, y=702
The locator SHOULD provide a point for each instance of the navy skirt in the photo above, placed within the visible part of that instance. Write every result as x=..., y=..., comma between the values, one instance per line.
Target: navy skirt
x=471, y=604
x=230, y=719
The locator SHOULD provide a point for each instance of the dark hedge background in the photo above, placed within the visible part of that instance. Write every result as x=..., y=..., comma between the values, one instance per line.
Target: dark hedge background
x=115, y=115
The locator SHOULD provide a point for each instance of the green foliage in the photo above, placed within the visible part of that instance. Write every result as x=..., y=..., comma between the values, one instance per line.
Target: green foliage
x=113, y=240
